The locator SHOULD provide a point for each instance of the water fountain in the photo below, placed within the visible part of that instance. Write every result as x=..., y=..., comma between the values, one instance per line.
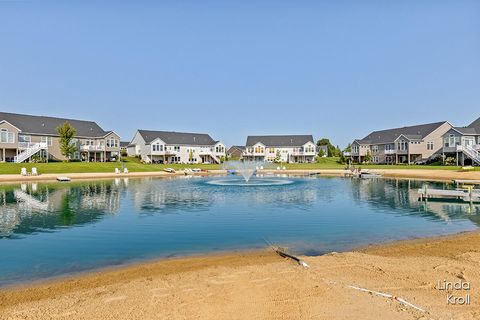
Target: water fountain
x=247, y=169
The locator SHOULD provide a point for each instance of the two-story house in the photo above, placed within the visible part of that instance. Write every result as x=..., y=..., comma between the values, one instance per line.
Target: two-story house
x=175, y=147
x=463, y=143
x=25, y=137
x=280, y=148
x=408, y=145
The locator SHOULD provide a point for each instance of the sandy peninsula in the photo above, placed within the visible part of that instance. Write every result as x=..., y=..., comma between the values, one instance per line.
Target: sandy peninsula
x=262, y=285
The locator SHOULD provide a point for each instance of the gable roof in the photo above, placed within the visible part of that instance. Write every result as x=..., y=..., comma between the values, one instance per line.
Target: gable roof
x=177, y=138
x=280, y=140
x=475, y=125
x=390, y=135
x=48, y=125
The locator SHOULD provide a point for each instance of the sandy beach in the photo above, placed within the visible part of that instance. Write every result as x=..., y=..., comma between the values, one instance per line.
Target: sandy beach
x=420, y=174
x=262, y=285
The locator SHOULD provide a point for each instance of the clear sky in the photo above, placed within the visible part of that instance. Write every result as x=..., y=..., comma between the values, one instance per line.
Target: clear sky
x=336, y=69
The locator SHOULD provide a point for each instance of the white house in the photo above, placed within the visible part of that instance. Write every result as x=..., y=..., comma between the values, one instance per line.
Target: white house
x=280, y=148
x=175, y=147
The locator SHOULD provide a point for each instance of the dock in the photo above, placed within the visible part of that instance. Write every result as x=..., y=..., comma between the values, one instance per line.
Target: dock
x=467, y=195
x=466, y=182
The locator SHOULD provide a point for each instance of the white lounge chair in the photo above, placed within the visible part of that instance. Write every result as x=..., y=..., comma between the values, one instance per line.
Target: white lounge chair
x=34, y=171
x=278, y=168
x=23, y=171
x=284, y=168
x=117, y=171
x=261, y=167
x=125, y=170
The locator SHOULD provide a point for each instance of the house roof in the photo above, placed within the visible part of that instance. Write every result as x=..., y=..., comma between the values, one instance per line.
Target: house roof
x=467, y=130
x=279, y=140
x=475, y=125
x=48, y=125
x=390, y=135
x=124, y=144
x=241, y=148
x=177, y=138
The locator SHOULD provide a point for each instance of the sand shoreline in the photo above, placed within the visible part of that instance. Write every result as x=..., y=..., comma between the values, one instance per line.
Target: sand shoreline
x=419, y=174
x=262, y=285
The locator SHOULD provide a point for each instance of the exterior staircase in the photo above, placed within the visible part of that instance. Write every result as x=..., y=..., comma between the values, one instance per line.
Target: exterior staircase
x=214, y=157
x=30, y=149
x=470, y=152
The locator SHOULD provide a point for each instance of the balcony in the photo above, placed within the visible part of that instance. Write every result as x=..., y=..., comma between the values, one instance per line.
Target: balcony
x=389, y=152
x=30, y=145
x=460, y=148
x=98, y=147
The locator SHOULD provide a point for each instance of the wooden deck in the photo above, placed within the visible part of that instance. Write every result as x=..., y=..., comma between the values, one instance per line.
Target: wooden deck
x=467, y=195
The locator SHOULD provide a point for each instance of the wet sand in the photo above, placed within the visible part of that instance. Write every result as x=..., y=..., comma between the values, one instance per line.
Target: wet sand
x=262, y=285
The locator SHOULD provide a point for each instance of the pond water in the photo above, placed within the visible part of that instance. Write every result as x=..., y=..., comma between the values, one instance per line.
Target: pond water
x=52, y=229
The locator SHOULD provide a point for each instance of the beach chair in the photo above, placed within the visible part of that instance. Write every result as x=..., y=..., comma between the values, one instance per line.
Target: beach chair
x=278, y=168
x=117, y=171
x=125, y=170
x=284, y=168
x=261, y=167
x=34, y=171
x=23, y=171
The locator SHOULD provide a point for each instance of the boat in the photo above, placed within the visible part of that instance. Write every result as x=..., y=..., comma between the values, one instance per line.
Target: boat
x=369, y=175
x=169, y=170
x=63, y=179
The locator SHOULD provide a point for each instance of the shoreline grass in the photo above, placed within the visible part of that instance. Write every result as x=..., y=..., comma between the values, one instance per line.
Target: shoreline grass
x=134, y=165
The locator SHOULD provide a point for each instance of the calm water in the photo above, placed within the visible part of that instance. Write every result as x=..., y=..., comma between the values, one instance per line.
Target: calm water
x=53, y=229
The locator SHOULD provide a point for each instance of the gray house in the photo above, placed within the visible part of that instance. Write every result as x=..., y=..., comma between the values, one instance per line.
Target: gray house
x=463, y=143
x=401, y=145
x=23, y=137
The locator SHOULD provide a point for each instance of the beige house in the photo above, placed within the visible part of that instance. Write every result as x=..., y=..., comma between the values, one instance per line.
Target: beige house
x=413, y=144
x=280, y=148
x=26, y=137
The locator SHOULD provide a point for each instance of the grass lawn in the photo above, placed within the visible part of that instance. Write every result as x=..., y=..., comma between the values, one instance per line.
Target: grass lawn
x=134, y=165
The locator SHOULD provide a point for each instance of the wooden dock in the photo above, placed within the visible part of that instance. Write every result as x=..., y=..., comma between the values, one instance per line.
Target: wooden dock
x=466, y=182
x=467, y=195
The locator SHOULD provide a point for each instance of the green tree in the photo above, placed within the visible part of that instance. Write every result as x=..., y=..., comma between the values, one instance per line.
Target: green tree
x=190, y=156
x=278, y=157
x=368, y=157
x=67, y=133
x=332, y=151
x=321, y=153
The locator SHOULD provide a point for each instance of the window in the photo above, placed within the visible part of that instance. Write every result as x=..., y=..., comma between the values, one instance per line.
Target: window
x=112, y=143
x=6, y=136
x=271, y=150
x=429, y=145
x=259, y=150
x=375, y=159
x=157, y=147
x=176, y=148
x=47, y=140
x=402, y=145
x=24, y=138
x=374, y=148
x=219, y=149
x=355, y=149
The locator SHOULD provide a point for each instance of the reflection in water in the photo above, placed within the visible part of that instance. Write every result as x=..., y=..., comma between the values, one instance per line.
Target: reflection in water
x=391, y=195
x=31, y=208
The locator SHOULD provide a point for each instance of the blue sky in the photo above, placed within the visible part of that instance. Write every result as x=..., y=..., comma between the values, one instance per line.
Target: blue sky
x=336, y=69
